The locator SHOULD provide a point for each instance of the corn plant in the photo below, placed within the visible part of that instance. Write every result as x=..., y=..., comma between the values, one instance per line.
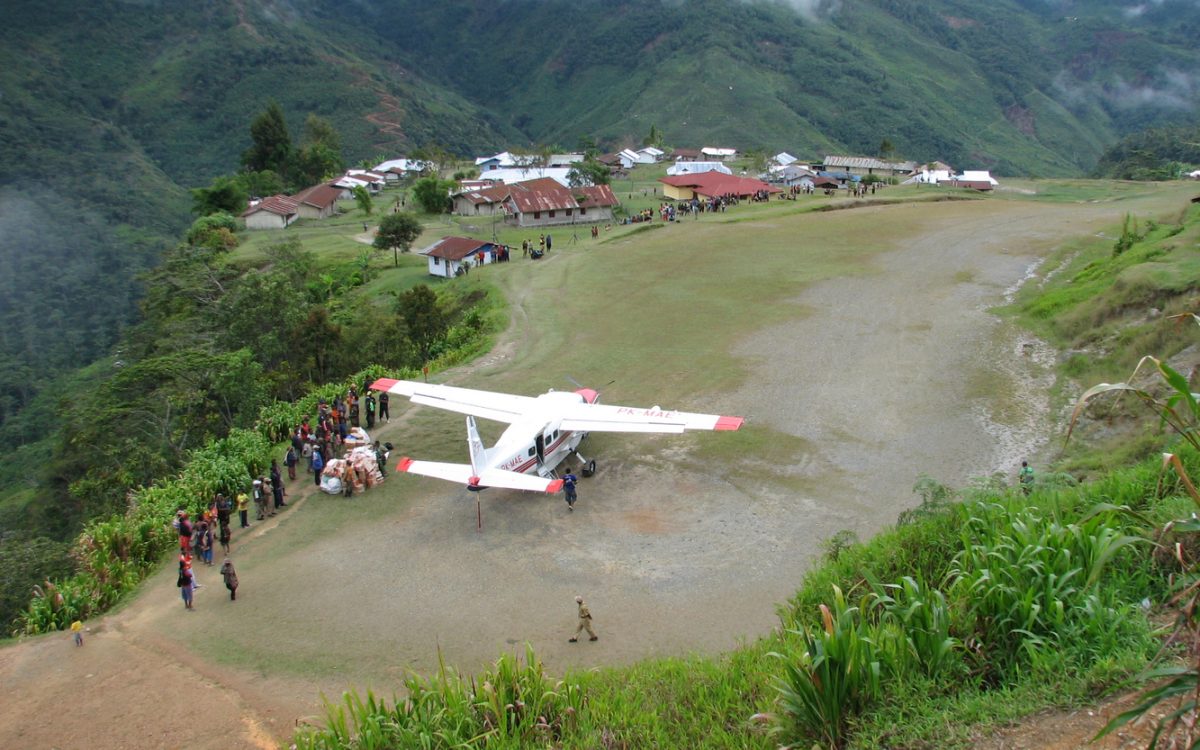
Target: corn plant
x=924, y=620
x=836, y=676
x=512, y=705
x=1023, y=580
x=1177, y=407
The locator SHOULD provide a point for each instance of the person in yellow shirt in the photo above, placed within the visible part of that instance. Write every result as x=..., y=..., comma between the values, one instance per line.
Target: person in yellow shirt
x=77, y=629
x=243, y=506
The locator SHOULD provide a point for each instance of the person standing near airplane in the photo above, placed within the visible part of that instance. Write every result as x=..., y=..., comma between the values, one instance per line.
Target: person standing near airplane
x=569, y=482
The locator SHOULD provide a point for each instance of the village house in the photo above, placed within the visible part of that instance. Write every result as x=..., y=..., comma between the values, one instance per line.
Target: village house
x=448, y=255
x=496, y=161
x=484, y=201
x=395, y=170
x=695, y=167
x=861, y=166
x=795, y=175
x=686, y=154
x=655, y=154
x=513, y=175
x=630, y=158
x=783, y=159
x=276, y=212
x=317, y=202
x=712, y=185
x=347, y=182
x=980, y=180
x=564, y=160
x=544, y=202
x=711, y=153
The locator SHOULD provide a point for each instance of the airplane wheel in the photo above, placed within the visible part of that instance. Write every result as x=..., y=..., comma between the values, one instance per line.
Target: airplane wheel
x=589, y=470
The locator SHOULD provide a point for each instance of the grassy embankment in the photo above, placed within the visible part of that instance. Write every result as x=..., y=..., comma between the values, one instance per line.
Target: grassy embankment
x=1040, y=608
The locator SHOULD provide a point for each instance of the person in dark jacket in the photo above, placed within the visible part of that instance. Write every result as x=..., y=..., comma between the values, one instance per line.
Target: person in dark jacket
x=231, y=579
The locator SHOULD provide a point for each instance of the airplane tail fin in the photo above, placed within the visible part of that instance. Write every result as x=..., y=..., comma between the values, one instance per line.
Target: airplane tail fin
x=475, y=444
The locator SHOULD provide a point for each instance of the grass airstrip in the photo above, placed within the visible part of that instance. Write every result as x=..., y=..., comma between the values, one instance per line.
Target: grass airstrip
x=362, y=593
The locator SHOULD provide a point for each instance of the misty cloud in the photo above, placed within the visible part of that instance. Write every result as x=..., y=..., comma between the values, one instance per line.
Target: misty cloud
x=1170, y=89
x=813, y=10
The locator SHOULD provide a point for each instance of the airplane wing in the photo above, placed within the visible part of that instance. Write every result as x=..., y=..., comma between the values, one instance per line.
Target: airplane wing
x=608, y=418
x=500, y=407
x=462, y=474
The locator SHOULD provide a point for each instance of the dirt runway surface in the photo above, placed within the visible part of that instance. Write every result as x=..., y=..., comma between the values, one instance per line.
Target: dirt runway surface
x=879, y=377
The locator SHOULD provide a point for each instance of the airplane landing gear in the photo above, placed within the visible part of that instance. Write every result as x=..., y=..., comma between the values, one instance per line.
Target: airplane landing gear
x=587, y=468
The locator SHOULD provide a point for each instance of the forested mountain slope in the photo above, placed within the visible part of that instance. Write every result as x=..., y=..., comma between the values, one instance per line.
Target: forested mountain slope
x=111, y=109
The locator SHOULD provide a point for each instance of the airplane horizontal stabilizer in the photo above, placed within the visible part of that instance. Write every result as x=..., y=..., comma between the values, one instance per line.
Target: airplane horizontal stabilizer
x=462, y=474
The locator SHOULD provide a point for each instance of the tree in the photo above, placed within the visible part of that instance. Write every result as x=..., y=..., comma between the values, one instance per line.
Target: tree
x=588, y=172
x=587, y=144
x=433, y=194
x=321, y=155
x=260, y=184
x=886, y=149
x=363, y=199
x=272, y=144
x=654, y=138
x=397, y=232
x=214, y=231
x=427, y=323
x=758, y=160
x=224, y=195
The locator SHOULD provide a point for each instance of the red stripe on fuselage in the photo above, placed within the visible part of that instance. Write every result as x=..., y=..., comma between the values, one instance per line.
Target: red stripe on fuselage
x=526, y=466
x=404, y=464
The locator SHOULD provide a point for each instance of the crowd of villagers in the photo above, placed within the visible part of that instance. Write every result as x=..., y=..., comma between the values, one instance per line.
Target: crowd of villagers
x=336, y=428
x=698, y=205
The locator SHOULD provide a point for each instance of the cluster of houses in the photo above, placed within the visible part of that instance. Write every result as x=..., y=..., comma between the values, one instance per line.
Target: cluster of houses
x=534, y=190
x=320, y=201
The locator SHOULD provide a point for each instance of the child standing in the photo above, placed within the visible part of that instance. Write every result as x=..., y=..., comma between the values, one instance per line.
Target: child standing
x=230, y=576
x=77, y=629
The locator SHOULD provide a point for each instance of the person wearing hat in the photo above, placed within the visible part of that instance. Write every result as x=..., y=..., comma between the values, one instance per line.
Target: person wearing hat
x=260, y=499
x=585, y=622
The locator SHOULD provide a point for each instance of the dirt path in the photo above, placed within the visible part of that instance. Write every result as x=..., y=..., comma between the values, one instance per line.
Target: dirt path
x=880, y=376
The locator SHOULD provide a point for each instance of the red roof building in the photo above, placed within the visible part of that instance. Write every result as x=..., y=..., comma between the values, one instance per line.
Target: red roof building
x=276, y=212
x=318, y=201
x=545, y=202
x=448, y=255
x=713, y=185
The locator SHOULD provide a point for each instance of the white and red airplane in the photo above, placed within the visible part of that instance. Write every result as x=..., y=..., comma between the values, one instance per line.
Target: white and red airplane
x=542, y=431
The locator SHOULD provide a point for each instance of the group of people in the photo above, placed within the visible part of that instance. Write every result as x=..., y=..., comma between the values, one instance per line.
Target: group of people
x=535, y=250
x=337, y=430
x=198, y=537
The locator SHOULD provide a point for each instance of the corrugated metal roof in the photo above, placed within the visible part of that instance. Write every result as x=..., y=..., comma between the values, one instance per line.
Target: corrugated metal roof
x=867, y=162
x=456, y=248
x=493, y=194
x=320, y=196
x=715, y=184
x=276, y=204
x=544, y=194
x=595, y=196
